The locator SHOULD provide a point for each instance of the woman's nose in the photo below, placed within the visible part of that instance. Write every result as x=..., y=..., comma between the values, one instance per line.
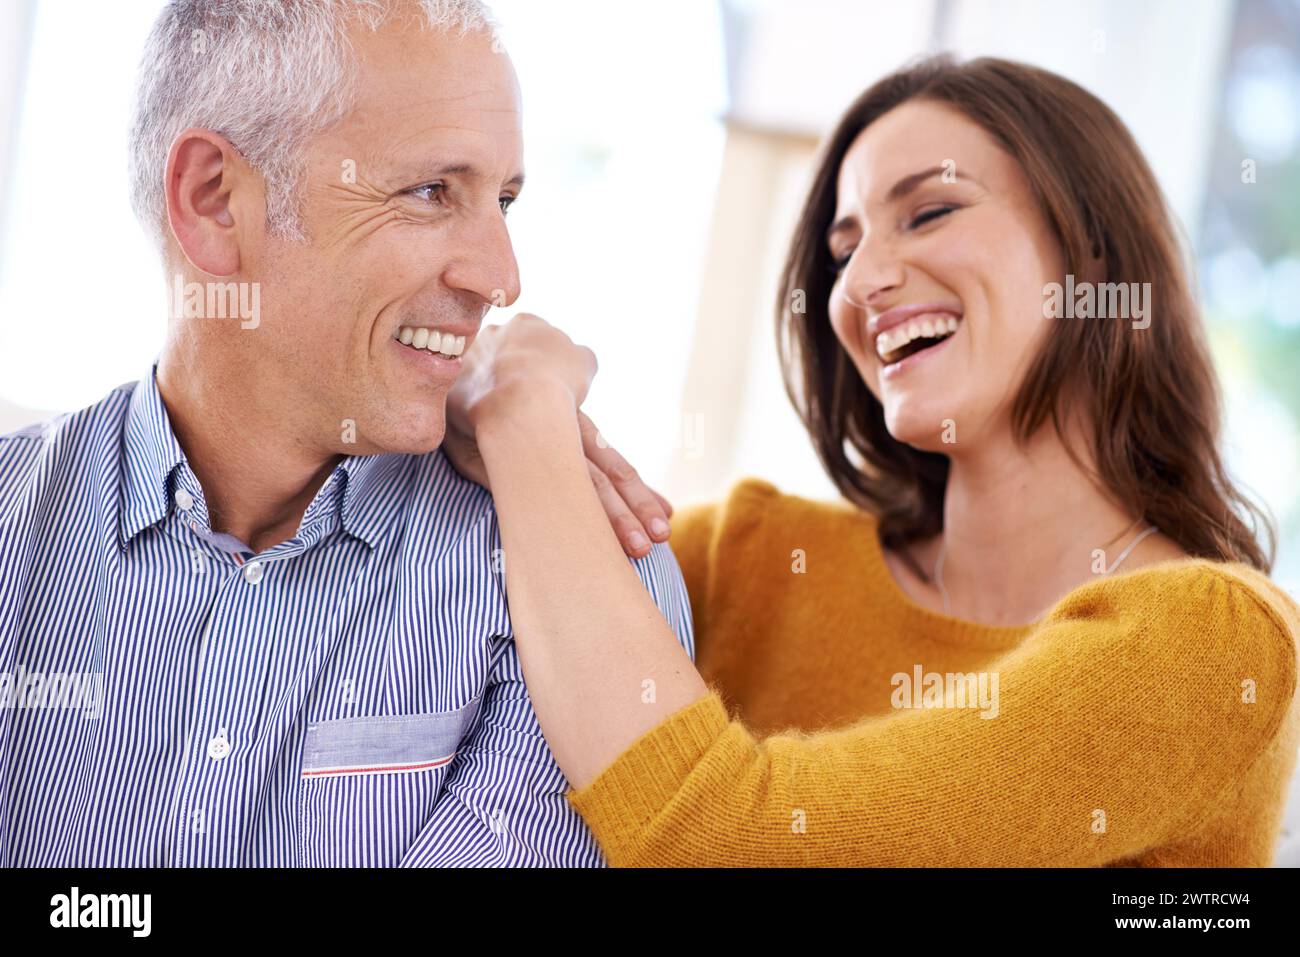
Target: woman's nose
x=870, y=273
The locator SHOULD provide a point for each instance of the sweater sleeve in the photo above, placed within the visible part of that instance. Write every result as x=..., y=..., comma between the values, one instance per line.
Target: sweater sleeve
x=1117, y=724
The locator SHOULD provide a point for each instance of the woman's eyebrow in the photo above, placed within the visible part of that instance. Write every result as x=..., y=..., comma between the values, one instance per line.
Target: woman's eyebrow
x=909, y=183
x=901, y=189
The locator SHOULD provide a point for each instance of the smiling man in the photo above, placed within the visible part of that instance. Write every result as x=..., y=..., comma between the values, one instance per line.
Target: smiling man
x=294, y=605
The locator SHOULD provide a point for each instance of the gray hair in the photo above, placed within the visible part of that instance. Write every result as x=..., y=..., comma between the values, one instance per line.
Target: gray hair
x=268, y=75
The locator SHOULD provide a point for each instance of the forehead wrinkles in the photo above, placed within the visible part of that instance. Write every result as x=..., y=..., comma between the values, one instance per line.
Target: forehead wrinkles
x=496, y=98
x=414, y=135
x=480, y=122
x=401, y=121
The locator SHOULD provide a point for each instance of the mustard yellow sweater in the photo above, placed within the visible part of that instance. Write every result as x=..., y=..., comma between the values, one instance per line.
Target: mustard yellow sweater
x=1149, y=719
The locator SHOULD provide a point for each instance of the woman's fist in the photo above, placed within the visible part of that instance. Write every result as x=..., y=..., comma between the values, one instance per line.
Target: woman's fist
x=505, y=364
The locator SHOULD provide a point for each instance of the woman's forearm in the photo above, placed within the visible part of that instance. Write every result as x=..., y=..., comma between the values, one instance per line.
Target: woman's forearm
x=601, y=664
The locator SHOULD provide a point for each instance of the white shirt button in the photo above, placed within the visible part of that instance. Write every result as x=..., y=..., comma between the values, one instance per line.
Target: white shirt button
x=253, y=572
x=184, y=500
x=219, y=746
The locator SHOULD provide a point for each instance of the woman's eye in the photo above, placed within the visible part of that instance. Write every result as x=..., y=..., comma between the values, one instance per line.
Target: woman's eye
x=837, y=263
x=930, y=214
x=506, y=202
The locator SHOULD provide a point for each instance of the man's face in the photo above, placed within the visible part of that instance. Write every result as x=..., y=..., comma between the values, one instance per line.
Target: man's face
x=403, y=209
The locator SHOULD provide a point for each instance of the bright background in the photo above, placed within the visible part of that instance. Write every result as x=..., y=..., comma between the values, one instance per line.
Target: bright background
x=668, y=146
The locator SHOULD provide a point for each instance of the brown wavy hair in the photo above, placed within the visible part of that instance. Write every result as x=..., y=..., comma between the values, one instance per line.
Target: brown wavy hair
x=1150, y=396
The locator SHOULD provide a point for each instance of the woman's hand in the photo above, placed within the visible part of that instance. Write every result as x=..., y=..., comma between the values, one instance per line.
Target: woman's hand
x=501, y=370
x=505, y=364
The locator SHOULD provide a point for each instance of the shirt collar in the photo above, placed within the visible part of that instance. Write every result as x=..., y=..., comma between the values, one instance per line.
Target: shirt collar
x=369, y=499
x=152, y=456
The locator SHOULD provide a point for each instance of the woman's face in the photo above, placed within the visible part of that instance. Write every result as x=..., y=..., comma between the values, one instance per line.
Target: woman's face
x=936, y=229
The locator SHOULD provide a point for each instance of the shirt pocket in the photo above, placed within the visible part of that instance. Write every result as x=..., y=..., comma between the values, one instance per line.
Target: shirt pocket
x=369, y=783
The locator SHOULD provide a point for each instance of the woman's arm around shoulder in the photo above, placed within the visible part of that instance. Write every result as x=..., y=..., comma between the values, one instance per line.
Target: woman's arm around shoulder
x=1117, y=725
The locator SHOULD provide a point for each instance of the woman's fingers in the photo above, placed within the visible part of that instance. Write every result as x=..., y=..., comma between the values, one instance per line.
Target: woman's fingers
x=631, y=534
x=649, y=508
x=666, y=505
x=463, y=453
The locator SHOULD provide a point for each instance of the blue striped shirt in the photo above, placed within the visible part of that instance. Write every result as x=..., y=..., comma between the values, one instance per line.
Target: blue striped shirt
x=350, y=697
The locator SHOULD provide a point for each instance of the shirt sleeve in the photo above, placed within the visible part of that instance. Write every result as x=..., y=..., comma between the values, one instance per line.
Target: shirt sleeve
x=1118, y=725
x=692, y=543
x=698, y=533
x=504, y=801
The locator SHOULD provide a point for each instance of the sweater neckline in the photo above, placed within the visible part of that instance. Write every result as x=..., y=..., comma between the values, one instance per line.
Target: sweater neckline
x=935, y=625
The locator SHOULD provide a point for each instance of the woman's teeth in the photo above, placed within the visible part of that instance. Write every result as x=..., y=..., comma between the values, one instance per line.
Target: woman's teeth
x=891, y=345
x=443, y=343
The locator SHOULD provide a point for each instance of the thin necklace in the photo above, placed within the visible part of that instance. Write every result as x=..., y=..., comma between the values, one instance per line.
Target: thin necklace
x=938, y=563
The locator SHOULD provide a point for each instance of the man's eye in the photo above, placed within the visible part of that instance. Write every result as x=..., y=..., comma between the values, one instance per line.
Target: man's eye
x=506, y=202
x=930, y=214
x=429, y=192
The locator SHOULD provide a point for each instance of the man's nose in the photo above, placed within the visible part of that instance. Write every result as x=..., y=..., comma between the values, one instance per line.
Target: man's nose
x=485, y=264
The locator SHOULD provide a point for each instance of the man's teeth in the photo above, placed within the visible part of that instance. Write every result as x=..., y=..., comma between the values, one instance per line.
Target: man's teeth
x=443, y=343
x=932, y=326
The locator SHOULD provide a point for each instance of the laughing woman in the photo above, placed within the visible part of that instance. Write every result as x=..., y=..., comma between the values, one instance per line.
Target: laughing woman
x=1039, y=632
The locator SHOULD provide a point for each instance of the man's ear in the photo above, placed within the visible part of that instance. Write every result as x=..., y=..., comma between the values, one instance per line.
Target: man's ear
x=208, y=184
